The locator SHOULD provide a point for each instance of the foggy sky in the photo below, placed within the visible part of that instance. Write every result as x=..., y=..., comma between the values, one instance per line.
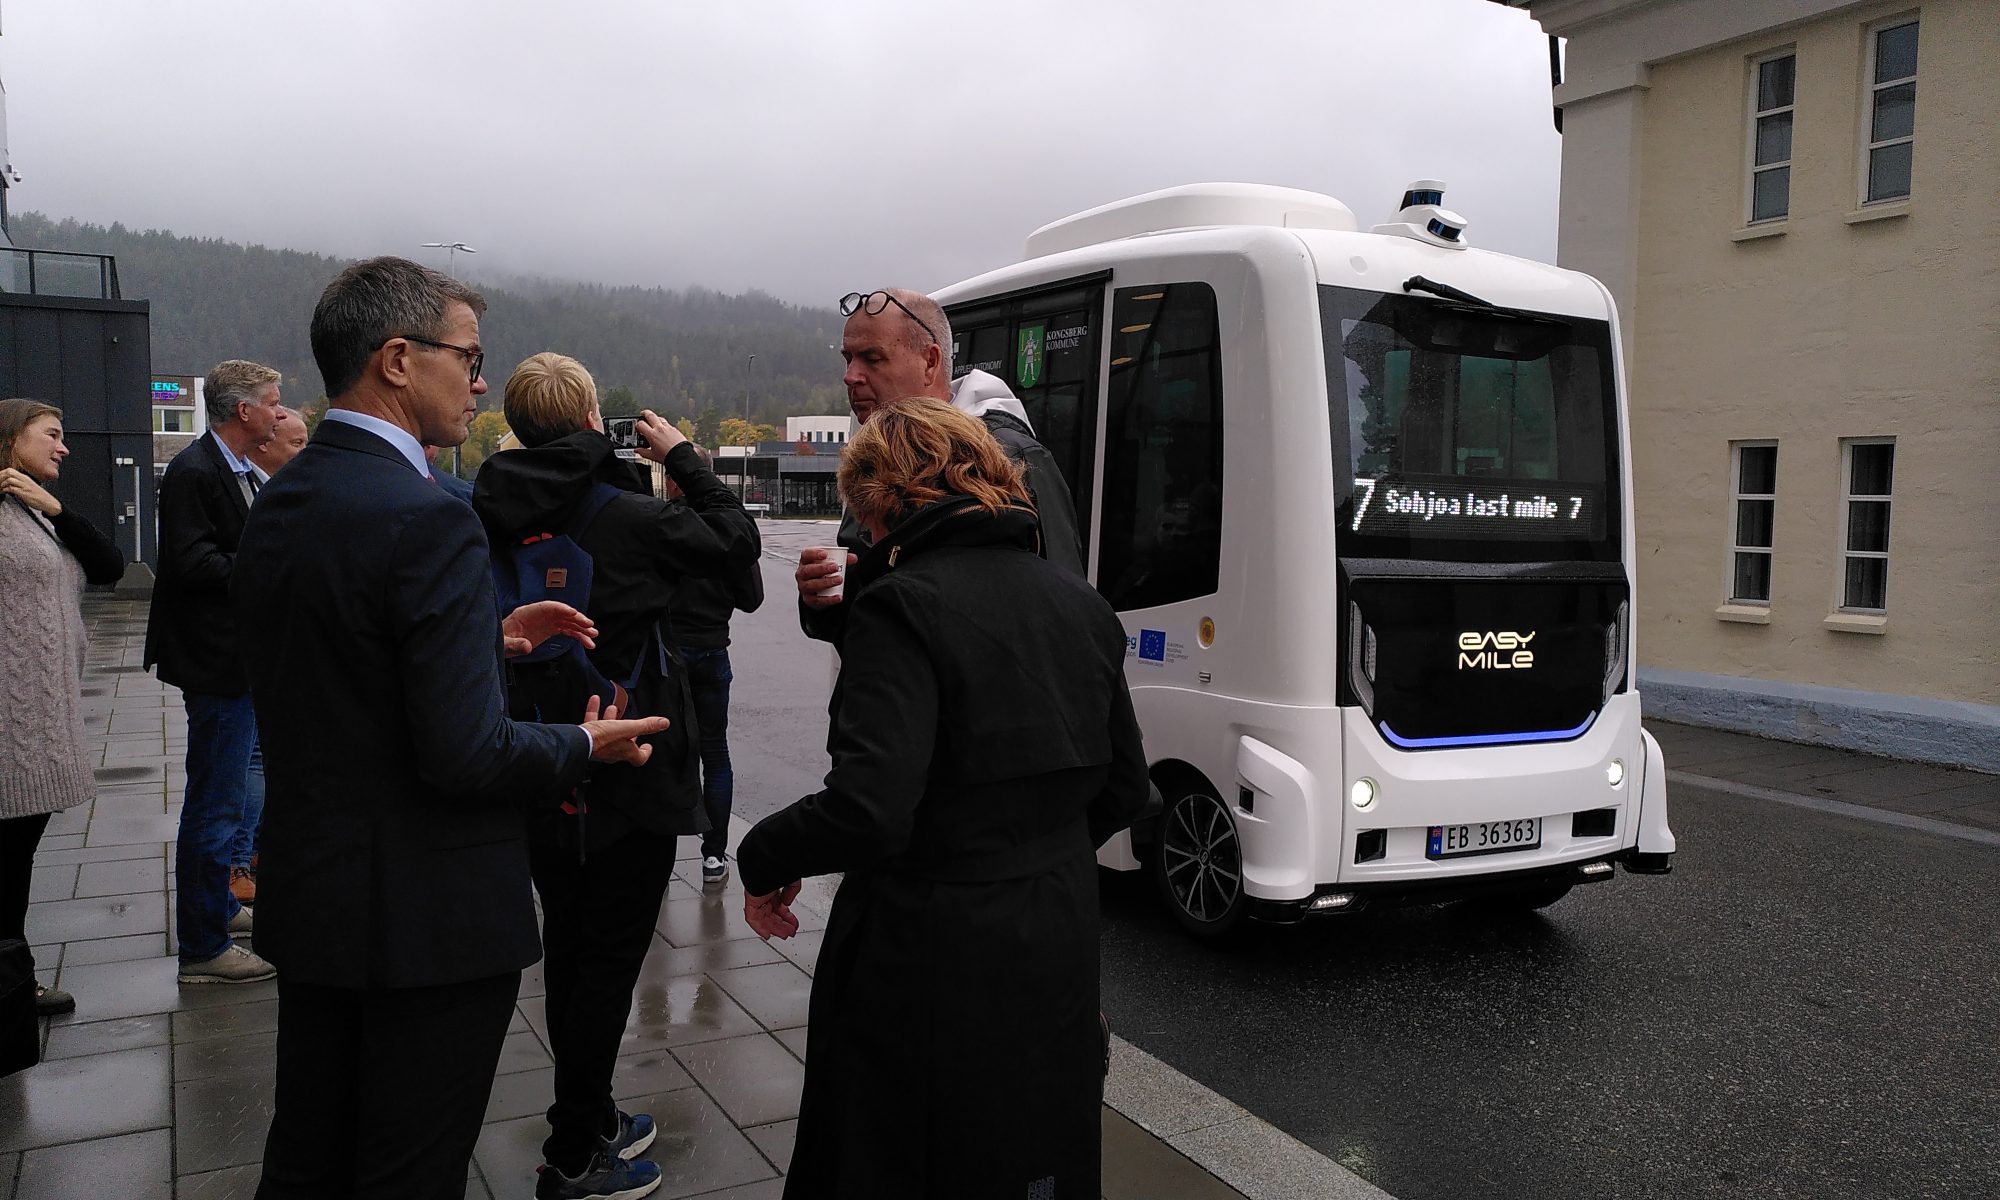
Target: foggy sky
x=804, y=148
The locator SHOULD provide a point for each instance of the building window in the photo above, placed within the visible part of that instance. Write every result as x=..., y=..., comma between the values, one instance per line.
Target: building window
x=1771, y=136
x=173, y=420
x=1162, y=538
x=1869, y=466
x=1753, y=507
x=1892, y=112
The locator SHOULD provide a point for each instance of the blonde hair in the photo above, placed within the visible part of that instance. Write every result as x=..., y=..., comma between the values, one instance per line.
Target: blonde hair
x=920, y=450
x=549, y=396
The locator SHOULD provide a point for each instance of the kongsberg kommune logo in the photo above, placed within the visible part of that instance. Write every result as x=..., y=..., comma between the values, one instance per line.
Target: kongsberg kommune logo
x=1028, y=356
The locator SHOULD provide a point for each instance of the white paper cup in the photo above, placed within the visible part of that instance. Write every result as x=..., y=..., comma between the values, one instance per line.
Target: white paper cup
x=837, y=555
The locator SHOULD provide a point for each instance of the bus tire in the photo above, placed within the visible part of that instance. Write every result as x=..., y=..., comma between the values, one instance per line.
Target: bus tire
x=1197, y=863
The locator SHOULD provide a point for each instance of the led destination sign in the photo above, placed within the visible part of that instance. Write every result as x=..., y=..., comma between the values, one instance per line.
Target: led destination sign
x=1448, y=507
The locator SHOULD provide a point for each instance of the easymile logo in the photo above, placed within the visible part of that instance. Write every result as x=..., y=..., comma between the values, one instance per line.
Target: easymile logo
x=1495, y=650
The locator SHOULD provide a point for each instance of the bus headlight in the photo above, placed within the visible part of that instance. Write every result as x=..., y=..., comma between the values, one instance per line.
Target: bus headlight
x=1615, y=773
x=1362, y=794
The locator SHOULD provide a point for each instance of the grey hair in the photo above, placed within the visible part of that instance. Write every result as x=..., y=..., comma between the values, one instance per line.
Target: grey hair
x=932, y=317
x=375, y=300
x=232, y=382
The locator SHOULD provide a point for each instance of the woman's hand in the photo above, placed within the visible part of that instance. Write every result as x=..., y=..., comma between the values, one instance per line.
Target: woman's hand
x=771, y=916
x=532, y=624
x=19, y=483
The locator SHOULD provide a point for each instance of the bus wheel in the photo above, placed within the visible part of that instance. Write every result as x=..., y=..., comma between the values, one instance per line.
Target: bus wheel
x=1199, y=865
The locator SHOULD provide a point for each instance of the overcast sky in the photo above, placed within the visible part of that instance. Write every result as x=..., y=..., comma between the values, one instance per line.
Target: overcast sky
x=805, y=148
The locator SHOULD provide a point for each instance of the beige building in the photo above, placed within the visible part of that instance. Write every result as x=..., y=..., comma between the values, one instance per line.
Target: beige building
x=1797, y=206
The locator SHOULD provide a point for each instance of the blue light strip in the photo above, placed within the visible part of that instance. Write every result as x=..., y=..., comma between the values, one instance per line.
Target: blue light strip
x=1484, y=739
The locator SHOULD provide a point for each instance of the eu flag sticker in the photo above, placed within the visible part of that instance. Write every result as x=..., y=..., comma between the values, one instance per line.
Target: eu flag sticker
x=1153, y=645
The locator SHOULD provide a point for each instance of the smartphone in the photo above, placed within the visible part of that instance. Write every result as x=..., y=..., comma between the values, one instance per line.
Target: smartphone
x=623, y=432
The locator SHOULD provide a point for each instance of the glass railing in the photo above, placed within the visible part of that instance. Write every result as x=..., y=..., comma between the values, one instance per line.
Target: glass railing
x=59, y=273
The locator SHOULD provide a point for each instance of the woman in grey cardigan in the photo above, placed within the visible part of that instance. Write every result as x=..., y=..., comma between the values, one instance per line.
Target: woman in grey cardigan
x=47, y=553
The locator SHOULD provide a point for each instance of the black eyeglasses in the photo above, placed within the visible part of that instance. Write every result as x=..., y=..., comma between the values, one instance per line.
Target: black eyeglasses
x=869, y=303
x=474, y=359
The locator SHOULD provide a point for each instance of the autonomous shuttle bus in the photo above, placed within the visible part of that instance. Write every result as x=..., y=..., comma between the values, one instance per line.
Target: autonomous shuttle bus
x=1362, y=500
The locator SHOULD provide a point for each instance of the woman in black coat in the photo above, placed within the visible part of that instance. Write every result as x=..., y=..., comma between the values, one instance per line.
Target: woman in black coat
x=983, y=747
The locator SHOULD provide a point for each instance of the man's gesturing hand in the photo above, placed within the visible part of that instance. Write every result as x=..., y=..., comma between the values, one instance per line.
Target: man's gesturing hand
x=771, y=916
x=532, y=624
x=612, y=740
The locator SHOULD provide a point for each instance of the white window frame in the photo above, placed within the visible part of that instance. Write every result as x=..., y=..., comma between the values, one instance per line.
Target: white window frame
x=1847, y=498
x=162, y=409
x=1870, y=89
x=1736, y=494
x=1751, y=168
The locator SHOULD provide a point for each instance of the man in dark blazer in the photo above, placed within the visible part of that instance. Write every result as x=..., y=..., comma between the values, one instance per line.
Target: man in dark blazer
x=393, y=889
x=192, y=636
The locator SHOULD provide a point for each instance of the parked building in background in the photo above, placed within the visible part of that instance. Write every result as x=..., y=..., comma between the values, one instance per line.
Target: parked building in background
x=1794, y=204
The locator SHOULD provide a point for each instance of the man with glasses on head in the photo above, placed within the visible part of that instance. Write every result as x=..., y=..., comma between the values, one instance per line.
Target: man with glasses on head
x=393, y=893
x=897, y=344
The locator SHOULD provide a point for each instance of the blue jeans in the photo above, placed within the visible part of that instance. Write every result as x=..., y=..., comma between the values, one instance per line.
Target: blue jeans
x=221, y=732
x=244, y=847
x=708, y=678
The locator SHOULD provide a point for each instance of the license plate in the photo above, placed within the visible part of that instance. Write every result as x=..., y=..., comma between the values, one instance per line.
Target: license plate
x=1484, y=837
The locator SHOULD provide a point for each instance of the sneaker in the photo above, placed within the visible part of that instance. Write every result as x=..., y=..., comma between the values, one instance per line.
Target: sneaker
x=240, y=924
x=635, y=1133
x=51, y=1003
x=606, y=1178
x=234, y=965
x=243, y=885
x=714, y=869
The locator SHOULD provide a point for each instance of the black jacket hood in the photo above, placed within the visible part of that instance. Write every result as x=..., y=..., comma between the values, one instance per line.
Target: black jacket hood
x=523, y=492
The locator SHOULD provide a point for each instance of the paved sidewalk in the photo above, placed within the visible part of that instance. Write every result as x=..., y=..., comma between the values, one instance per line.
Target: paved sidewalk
x=151, y=1091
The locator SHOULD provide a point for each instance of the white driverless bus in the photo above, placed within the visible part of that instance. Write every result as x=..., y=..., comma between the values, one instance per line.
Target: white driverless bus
x=1362, y=500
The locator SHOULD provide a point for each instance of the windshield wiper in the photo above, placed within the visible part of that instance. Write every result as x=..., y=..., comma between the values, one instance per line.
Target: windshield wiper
x=1418, y=283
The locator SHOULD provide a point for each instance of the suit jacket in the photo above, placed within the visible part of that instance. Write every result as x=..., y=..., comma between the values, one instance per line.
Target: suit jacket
x=191, y=633
x=393, y=851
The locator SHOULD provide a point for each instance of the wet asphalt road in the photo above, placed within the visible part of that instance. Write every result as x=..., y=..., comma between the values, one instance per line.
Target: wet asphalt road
x=1808, y=1007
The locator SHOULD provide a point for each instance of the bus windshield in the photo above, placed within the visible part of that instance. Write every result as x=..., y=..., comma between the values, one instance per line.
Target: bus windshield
x=1470, y=434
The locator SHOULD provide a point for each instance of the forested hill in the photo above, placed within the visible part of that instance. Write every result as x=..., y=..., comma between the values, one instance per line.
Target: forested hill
x=674, y=351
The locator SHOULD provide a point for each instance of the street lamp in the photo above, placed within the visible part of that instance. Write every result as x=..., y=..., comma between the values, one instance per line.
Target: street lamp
x=451, y=253
x=744, y=465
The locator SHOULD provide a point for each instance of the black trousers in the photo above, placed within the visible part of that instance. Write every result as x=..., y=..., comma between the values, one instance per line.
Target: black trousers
x=381, y=1091
x=19, y=836
x=597, y=927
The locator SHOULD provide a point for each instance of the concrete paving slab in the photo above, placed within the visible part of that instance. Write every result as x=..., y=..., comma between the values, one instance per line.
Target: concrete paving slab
x=232, y=1183
x=667, y=961
x=122, y=876
x=1138, y=1166
x=149, y=985
x=137, y=1166
x=240, y=1011
x=794, y=1040
x=120, y=831
x=106, y=1037
x=244, y=1056
x=79, y=1099
x=72, y=850
x=221, y=1122
x=776, y=995
x=680, y=1012
x=523, y=1052
x=648, y=1074
x=755, y=1079
x=51, y=883
x=118, y=949
x=99, y=916
x=775, y=1142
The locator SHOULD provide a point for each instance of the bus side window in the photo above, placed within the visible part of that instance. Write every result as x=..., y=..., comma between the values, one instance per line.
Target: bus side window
x=1161, y=540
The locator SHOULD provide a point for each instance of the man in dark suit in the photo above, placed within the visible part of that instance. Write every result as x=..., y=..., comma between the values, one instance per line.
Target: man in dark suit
x=393, y=890
x=192, y=636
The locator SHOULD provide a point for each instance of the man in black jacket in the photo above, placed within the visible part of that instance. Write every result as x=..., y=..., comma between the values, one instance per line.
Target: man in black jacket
x=897, y=344
x=602, y=859
x=192, y=636
x=393, y=891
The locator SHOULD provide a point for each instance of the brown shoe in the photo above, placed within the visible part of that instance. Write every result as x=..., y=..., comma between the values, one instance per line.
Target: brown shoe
x=243, y=885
